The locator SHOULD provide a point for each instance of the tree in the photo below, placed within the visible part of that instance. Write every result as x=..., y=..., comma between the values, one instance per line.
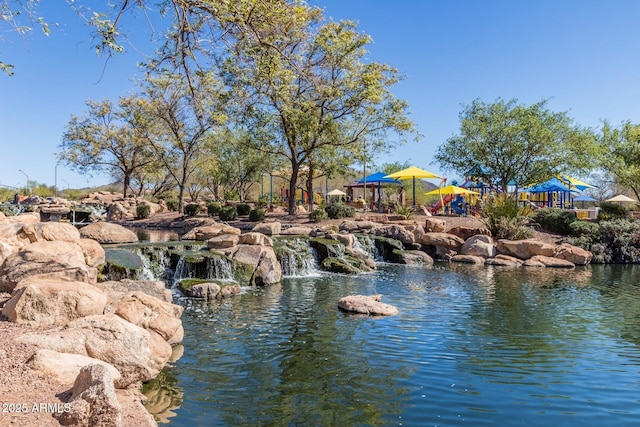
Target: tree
x=315, y=93
x=181, y=117
x=108, y=137
x=622, y=146
x=511, y=142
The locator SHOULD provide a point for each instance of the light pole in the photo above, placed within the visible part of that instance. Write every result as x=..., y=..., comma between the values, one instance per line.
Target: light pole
x=25, y=174
x=55, y=182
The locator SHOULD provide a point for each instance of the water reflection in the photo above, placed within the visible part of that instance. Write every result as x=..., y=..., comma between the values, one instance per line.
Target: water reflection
x=476, y=346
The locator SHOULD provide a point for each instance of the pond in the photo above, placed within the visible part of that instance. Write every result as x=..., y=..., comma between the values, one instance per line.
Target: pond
x=478, y=346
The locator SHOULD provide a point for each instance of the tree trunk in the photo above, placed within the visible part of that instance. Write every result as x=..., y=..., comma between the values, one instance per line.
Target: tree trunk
x=310, y=189
x=127, y=182
x=292, y=187
x=181, y=199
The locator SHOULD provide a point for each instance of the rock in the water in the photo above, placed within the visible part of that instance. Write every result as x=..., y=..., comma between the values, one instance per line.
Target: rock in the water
x=367, y=304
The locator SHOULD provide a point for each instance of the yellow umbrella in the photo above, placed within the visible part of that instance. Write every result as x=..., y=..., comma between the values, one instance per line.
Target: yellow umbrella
x=412, y=172
x=451, y=189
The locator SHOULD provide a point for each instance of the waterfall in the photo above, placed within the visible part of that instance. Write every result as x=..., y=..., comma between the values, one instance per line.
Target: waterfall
x=208, y=266
x=156, y=263
x=297, y=258
x=366, y=244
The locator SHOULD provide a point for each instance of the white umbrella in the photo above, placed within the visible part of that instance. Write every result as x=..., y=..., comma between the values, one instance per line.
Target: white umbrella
x=336, y=192
x=620, y=198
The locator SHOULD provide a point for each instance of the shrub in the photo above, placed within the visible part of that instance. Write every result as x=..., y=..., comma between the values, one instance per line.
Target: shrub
x=172, y=204
x=318, y=215
x=256, y=215
x=231, y=195
x=554, y=220
x=585, y=229
x=506, y=219
x=228, y=213
x=510, y=228
x=143, y=210
x=213, y=208
x=338, y=210
x=404, y=211
x=610, y=211
x=243, y=209
x=192, y=209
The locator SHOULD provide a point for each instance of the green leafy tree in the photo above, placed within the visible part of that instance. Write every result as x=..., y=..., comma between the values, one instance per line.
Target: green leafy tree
x=512, y=142
x=622, y=146
x=315, y=92
x=181, y=115
x=107, y=138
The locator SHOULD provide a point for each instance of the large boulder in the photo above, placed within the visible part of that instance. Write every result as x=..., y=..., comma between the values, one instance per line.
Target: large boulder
x=266, y=269
x=355, y=226
x=93, y=400
x=296, y=231
x=138, y=354
x=268, y=228
x=207, y=232
x=545, y=261
x=479, y=245
x=150, y=313
x=465, y=232
x=108, y=233
x=573, y=254
x=396, y=232
x=409, y=257
x=57, y=231
x=115, y=290
x=435, y=225
x=93, y=252
x=366, y=304
x=524, y=249
x=443, y=242
x=207, y=290
x=468, y=259
x=254, y=238
x=223, y=242
x=54, y=258
x=118, y=212
x=54, y=302
x=346, y=239
x=65, y=366
x=504, y=261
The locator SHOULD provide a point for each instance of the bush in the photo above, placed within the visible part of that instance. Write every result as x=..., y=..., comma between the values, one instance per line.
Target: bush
x=192, y=209
x=243, y=209
x=318, y=215
x=506, y=219
x=213, y=208
x=228, y=213
x=172, y=204
x=611, y=211
x=585, y=229
x=554, y=220
x=338, y=210
x=256, y=215
x=143, y=210
x=404, y=211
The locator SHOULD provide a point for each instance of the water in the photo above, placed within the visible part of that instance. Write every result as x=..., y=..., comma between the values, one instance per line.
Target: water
x=476, y=346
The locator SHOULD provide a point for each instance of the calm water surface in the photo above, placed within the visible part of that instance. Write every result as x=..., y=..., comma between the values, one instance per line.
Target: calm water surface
x=477, y=346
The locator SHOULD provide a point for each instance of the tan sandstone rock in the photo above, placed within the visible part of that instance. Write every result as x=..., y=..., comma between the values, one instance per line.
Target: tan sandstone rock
x=50, y=302
x=524, y=249
x=108, y=233
x=367, y=304
x=65, y=366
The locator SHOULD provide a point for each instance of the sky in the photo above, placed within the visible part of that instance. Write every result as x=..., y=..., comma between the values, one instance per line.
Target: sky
x=581, y=55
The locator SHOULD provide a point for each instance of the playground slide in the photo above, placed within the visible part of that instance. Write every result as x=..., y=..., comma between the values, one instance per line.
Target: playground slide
x=446, y=199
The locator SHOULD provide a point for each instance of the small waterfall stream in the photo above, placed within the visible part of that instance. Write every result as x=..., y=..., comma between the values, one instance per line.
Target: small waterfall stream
x=297, y=257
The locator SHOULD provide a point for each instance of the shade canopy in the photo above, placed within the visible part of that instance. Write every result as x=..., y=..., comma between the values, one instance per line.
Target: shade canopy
x=411, y=173
x=552, y=185
x=575, y=183
x=336, y=192
x=583, y=198
x=620, y=198
x=451, y=189
x=377, y=178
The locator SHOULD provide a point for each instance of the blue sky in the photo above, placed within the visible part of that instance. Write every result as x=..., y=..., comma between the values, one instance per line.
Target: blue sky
x=582, y=55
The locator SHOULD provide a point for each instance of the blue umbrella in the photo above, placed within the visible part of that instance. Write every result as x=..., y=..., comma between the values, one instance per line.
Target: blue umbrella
x=377, y=178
